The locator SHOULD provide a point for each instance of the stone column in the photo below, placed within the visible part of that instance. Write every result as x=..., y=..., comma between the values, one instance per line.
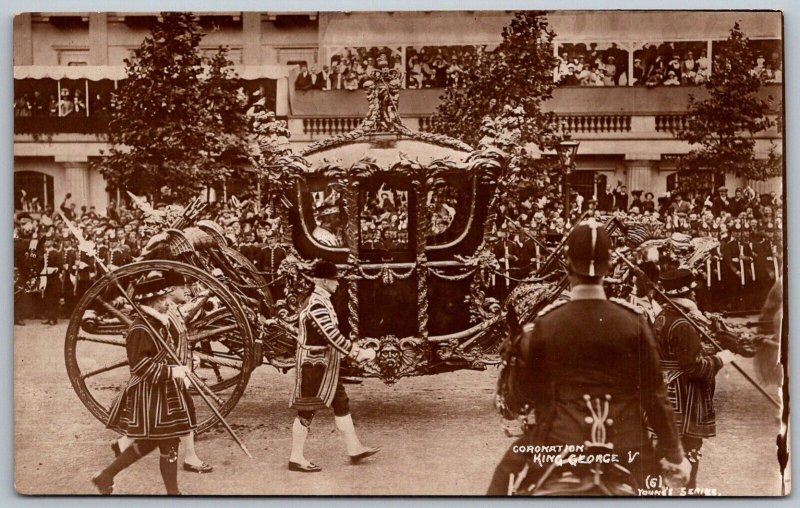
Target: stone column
x=98, y=38
x=23, y=39
x=640, y=175
x=251, y=37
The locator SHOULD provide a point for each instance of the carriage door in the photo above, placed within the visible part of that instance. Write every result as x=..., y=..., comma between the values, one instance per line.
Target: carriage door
x=387, y=289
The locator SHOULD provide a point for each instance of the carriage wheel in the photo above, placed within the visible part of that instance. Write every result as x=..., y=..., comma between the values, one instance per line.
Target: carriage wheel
x=220, y=340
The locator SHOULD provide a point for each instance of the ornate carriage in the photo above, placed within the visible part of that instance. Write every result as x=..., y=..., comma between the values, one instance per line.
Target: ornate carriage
x=405, y=215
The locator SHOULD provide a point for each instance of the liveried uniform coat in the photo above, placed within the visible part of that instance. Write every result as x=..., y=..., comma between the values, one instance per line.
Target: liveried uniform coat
x=596, y=347
x=689, y=372
x=153, y=405
x=320, y=347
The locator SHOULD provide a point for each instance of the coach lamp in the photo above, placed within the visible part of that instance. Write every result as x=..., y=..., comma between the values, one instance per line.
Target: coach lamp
x=567, y=148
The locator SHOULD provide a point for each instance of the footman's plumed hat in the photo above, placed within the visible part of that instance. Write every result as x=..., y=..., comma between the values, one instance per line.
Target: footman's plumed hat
x=156, y=283
x=324, y=270
x=678, y=282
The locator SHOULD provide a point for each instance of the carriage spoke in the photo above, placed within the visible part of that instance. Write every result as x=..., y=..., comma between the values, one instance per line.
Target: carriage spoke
x=206, y=334
x=105, y=368
x=225, y=362
x=103, y=340
x=122, y=317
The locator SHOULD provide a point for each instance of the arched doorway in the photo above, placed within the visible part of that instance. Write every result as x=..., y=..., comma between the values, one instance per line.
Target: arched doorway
x=33, y=190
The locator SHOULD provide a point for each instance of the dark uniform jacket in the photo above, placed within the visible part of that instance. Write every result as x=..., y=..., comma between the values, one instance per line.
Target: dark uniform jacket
x=320, y=348
x=598, y=347
x=153, y=405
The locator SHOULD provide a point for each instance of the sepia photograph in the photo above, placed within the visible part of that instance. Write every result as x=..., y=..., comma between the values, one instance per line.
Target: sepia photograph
x=400, y=253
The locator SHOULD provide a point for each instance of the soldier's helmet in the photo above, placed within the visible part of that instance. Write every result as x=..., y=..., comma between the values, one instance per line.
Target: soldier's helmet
x=588, y=249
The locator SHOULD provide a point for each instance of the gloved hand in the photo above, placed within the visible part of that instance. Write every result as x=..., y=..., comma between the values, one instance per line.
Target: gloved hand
x=365, y=355
x=677, y=473
x=180, y=372
x=726, y=356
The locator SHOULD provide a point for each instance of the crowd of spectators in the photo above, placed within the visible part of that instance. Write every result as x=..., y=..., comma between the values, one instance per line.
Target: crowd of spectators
x=667, y=64
x=384, y=220
x=697, y=213
x=579, y=65
x=425, y=67
x=73, y=103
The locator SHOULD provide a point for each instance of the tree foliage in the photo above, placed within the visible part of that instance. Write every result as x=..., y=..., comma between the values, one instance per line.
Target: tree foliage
x=722, y=127
x=178, y=120
x=518, y=73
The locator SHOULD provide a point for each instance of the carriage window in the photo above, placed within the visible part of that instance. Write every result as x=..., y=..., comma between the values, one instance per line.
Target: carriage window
x=328, y=217
x=384, y=218
x=449, y=208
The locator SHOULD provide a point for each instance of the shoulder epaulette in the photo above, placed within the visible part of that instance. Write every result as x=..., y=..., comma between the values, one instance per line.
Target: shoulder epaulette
x=548, y=308
x=527, y=328
x=628, y=305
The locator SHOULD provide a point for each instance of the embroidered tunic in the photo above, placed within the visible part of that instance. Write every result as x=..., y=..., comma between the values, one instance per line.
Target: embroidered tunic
x=689, y=373
x=153, y=405
x=319, y=352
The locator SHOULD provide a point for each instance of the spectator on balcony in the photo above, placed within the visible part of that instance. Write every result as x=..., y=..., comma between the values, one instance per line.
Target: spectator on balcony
x=759, y=69
x=773, y=73
x=638, y=72
x=350, y=79
x=561, y=70
x=427, y=72
x=688, y=65
x=610, y=68
x=79, y=104
x=369, y=66
x=703, y=67
x=570, y=79
x=337, y=78
x=323, y=81
x=51, y=108
x=674, y=65
x=23, y=106
x=315, y=84
x=454, y=73
x=39, y=105
x=672, y=79
x=607, y=76
x=67, y=106
x=303, y=81
x=439, y=72
x=586, y=76
x=415, y=75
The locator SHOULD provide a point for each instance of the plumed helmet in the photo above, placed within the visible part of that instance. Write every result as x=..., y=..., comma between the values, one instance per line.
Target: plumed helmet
x=588, y=249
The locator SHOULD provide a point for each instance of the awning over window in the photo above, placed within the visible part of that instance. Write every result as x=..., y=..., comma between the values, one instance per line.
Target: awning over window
x=90, y=72
x=117, y=72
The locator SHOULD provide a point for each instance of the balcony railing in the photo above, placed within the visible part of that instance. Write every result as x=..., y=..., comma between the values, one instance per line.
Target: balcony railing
x=73, y=124
x=329, y=126
x=670, y=123
x=585, y=124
